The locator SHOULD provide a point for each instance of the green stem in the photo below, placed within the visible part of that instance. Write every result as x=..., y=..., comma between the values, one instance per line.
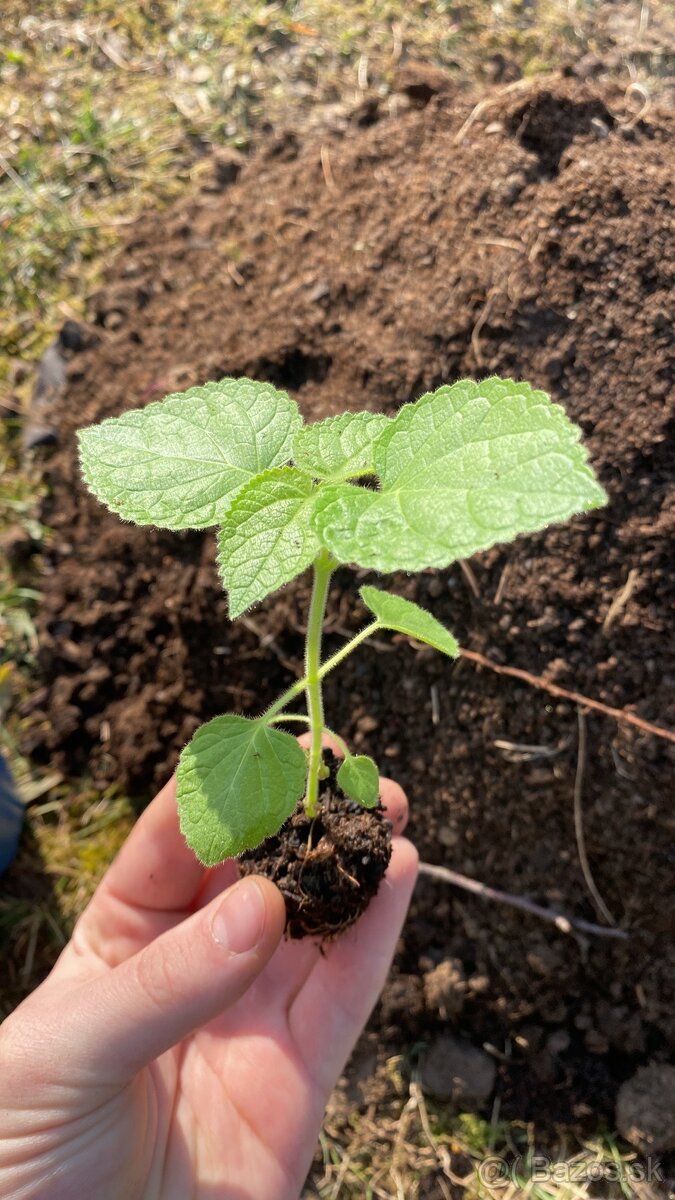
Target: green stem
x=281, y=717
x=296, y=689
x=340, y=741
x=359, y=637
x=323, y=569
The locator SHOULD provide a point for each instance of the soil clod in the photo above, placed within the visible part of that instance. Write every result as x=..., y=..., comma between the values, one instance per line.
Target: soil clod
x=328, y=868
x=645, y=1108
x=454, y=1070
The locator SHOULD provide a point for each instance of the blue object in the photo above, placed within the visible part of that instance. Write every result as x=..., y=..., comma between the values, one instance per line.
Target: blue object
x=11, y=816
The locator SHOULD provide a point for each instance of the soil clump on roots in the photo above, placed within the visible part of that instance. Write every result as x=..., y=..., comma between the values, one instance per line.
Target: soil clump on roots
x=328, y=867
x=534, y=241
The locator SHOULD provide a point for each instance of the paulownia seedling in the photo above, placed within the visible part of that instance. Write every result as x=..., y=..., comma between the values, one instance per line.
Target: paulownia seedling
x=462, y=468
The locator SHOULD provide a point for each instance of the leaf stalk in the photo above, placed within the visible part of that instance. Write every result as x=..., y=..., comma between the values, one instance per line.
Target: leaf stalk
x=296, y=689
x=339, y=741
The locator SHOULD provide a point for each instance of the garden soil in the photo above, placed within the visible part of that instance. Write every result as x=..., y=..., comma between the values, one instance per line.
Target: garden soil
x=394, y=252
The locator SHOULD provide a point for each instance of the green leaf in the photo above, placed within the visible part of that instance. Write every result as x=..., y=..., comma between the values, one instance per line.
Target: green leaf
x=179, y=462
x=463, y=468
x=266, y=538
x=237, y=782
x=340, y=447
x=359, y=779
x=394, y=612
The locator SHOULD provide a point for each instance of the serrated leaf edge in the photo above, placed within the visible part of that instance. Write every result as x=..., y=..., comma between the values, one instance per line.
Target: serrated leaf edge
x=342, y=419
x=254, y=481
x=213, y=386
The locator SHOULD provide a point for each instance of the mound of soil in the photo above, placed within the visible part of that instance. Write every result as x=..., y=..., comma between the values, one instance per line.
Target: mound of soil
x=327, y=868
x=535, y=240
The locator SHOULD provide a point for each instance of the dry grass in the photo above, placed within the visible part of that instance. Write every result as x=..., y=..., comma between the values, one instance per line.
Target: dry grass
x=408, y=1148
x=109, y=108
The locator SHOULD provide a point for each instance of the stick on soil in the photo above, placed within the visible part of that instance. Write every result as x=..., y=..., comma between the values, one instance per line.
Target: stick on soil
x=563, y=923
x=619, y=714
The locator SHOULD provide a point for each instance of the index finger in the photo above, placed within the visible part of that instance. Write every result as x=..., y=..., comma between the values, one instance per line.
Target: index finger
x=155, y=869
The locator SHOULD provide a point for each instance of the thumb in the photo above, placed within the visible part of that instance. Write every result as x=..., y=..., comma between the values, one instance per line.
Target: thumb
x=179, y=982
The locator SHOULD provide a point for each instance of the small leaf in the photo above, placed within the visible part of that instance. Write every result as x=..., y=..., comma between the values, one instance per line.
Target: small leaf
x=178, y=463
x=237, y=782
x=266, y=538
x=359, y=779
x=340, y=447
x=394, y=612
x=463, y=468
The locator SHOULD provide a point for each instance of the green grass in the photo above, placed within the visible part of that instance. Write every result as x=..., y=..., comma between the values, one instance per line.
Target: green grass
x=412, y=1147
x=19, y=490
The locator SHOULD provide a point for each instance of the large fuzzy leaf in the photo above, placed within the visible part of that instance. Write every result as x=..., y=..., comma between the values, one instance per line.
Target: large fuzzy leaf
x=463, y=468
x=179, y=462
x=339, y=447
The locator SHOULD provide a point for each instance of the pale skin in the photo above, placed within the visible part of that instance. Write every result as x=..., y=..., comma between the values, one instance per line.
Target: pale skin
x=181, y=1049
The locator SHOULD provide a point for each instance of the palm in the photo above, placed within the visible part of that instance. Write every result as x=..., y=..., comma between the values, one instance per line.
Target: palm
x=247, y=1073
x=232, y=1111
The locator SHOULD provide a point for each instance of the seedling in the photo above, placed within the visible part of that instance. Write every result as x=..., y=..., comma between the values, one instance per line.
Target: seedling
x=464, y=467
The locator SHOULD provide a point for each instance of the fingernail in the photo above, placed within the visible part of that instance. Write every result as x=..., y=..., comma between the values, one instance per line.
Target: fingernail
x=238, y=924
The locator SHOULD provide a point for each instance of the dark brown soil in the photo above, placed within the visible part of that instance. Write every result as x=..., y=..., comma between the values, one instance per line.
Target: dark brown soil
x=645, y=1109
x=537, y=243
x=327, y=868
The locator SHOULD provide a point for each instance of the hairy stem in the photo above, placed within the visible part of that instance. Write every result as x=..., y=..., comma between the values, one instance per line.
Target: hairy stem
x=340, y=742
x=296, y=689
x=285, y=698
x=281, y=717
x=359, y=637
x=323, y=569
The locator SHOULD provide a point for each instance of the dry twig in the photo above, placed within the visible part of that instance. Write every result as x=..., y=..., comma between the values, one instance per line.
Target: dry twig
x=579, y=822
x=235, y=275
x=327, y=169
x=561, y=922
x=518, y=86
x=501, y=586
x=440, y=1151
x=483, y=317
x=470, y=578
x=618, y=714
x=620, y=600
x=504, y=243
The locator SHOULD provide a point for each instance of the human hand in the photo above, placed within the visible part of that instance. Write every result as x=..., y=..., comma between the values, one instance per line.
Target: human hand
x=180, y=1048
